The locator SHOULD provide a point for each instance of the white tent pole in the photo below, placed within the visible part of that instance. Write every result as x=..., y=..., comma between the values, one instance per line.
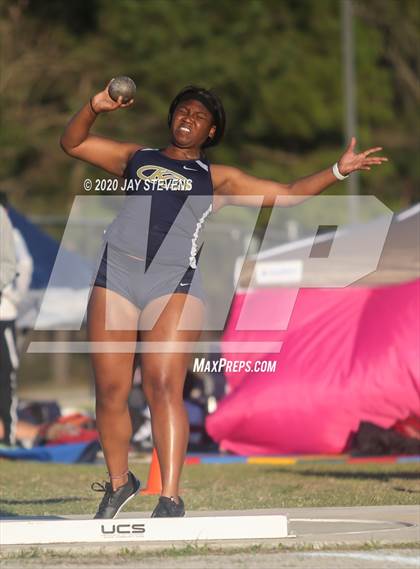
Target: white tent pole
x=350, y=119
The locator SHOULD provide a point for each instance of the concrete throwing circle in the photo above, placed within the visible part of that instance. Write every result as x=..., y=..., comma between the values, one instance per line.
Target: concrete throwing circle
x=396, y=524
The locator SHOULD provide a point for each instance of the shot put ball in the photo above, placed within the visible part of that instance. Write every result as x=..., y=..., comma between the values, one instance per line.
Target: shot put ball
x=122, y=87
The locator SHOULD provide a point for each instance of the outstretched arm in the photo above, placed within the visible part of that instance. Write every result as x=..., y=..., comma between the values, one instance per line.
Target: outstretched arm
x=77, y=141
x=232, y=186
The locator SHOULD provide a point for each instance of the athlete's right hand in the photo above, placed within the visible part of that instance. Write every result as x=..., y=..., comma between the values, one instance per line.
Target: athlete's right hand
x=102, y=102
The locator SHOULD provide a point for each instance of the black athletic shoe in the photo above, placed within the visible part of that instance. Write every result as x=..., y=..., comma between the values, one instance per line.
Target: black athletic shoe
x=168, y=508
x=114, y=501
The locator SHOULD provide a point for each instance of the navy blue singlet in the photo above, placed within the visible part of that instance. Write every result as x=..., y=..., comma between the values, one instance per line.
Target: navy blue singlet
x=168, y=224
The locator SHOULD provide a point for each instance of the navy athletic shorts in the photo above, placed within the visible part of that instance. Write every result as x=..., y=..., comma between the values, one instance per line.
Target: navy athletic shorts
x=128, y=276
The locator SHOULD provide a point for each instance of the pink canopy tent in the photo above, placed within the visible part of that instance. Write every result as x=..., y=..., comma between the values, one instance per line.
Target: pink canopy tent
x=349, y=355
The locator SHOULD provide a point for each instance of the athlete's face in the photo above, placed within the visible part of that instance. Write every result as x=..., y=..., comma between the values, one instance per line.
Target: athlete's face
x=192, y=124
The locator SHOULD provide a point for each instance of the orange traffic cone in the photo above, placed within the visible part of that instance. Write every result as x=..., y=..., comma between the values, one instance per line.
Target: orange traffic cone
x=154, y=481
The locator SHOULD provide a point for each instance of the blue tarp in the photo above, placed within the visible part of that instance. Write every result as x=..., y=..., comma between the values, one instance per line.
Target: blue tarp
x=75, y=271
x=66, y=454
x=43, y=250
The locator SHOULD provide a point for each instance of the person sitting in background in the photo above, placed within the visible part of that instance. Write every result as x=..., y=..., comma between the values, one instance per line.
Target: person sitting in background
x=12, y=292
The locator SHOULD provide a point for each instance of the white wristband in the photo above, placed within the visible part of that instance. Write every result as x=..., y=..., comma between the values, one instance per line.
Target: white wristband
x=337, y=172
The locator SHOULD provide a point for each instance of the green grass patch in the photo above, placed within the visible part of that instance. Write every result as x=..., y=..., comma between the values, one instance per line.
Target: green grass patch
x=133, y=553
x=53, y=489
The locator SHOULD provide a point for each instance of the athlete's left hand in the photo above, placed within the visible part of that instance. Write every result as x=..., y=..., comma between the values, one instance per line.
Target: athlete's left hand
x=350, y=161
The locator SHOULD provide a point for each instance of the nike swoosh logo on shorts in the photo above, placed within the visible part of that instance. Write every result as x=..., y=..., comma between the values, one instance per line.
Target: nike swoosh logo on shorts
x=184, y=284
x=193, y=169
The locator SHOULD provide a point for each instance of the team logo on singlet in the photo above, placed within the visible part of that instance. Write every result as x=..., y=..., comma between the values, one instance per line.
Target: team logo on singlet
x=157, y=178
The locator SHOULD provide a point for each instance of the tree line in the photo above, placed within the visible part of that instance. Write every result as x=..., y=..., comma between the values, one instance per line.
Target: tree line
x=276, y=64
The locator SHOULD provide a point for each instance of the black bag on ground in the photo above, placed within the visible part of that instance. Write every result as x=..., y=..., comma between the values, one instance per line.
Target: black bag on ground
x=372, y=440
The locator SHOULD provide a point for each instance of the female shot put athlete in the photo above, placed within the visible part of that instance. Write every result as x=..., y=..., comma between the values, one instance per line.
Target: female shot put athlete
x=144, y=280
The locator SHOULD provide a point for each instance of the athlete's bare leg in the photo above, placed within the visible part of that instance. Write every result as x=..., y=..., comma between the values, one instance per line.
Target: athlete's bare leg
x=113, y=375
x=163, y=378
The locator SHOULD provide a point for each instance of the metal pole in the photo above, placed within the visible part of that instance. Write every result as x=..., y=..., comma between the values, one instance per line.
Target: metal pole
x=350, y=119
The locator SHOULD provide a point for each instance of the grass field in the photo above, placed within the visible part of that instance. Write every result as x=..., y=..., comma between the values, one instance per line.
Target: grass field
x=50, y=489
x=43, y=556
